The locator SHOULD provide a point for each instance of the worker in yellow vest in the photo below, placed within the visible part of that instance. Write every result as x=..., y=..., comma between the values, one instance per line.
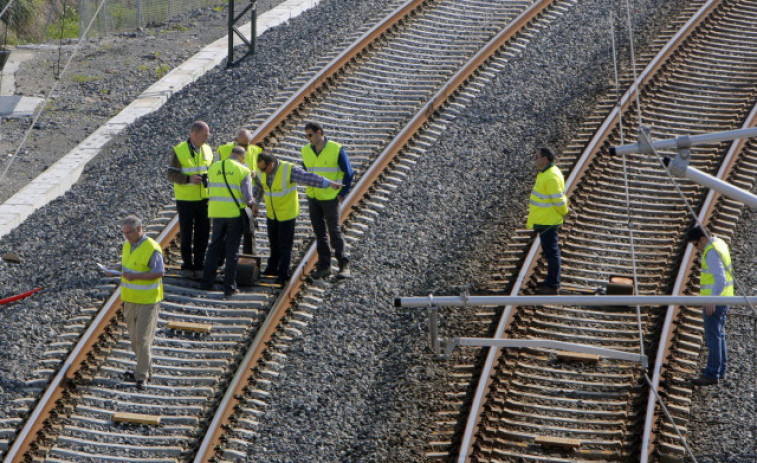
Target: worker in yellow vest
x=244, y=139
x=715, y=279
x=230, y=187
x=142, y=271
x=277, y=181
x=187, y=169
x=547, y=207
x=327, y=158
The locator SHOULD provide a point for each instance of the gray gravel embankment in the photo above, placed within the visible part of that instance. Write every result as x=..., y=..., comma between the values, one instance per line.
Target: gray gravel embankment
x=360, y=385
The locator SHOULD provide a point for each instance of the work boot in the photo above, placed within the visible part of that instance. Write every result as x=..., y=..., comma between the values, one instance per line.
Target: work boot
x=703, y=381
x=544, y=290
x=344, y=270
x=269, y=272
x=321, y=272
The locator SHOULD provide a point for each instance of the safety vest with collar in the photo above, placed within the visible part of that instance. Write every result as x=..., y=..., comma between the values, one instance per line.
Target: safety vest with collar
x=548, y=203
x=192, y=162
x=706, y=278
x=281, y=201
x=250, y=159
x=140, y=291
x=325, y=164
x=221, y=203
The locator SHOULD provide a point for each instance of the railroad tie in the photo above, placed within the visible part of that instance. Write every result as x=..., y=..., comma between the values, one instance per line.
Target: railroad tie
x=189, y=326
x=136, y=418
x=578, y=356
x=553, y=441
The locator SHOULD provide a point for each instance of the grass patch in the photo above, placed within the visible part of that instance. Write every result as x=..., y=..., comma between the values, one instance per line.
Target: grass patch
x=83, y=79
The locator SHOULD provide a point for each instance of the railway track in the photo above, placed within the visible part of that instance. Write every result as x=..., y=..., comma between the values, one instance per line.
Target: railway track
x=377, y=95
x=536, y=405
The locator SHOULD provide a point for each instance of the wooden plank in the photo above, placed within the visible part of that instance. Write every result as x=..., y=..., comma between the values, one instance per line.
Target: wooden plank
x=137, y=418
x=578, y=356
x=552, y=441
x=189, y=326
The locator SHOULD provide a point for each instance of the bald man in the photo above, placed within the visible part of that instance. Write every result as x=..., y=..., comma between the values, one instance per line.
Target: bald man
x=244, y=140
x=188, y=170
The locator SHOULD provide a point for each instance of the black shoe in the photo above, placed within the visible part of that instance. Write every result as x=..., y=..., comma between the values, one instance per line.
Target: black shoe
x=269, y=272
x=545, y=290
x=230, y=292
x=703, y=381
x=321, y=272
x=141, y=384
x=128, y=375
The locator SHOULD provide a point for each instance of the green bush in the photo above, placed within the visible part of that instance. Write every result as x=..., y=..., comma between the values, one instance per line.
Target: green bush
x=20, y=15
x=67, y=26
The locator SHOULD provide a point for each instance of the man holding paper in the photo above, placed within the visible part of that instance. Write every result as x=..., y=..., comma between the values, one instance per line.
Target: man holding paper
x=142, y=271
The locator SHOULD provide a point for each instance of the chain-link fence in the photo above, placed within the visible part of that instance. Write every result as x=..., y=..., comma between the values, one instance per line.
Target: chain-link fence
x=125, y=15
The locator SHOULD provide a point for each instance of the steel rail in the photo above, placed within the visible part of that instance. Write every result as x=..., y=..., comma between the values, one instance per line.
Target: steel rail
x=108, y=312
x=245, y=371
x=74, y=361
x=322, y=77
x=571, y=183
x=685, y=275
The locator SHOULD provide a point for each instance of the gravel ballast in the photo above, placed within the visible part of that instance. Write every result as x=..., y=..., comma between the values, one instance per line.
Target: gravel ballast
x=361, y=384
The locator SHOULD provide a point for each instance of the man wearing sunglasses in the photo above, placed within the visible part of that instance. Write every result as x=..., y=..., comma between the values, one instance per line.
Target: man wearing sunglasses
x=327, y=158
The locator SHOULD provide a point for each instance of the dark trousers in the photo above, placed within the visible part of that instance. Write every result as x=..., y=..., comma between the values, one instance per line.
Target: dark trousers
x=324, y=217
x=281, y=239
x=551, y=250
x=194, y=228
x=227, y=233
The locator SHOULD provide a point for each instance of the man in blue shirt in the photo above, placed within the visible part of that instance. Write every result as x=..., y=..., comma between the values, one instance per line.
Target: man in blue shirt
x=327, y=158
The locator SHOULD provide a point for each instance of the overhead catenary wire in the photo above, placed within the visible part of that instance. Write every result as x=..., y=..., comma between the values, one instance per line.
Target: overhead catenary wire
x=633, y=58
x=681, y=438
x=2, y=13
x=50, y=93
x=629, y=214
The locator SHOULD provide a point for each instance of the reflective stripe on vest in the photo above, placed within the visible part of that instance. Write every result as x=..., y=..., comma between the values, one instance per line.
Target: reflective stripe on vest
x=325, y=164
x=140, y=291
x=281, y=201
x=250, y=159
x=706, y=278
x=192, y=163
x=221, y=203
x=547, y=203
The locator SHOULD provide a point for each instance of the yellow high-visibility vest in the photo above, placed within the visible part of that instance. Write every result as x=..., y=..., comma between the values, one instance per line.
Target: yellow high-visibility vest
x=325, y=164
x=281, y=200
x=221, y=203
x=192, y=163
x=706, y=278
x=548, y=203
x=140, y=291
x=250, y=159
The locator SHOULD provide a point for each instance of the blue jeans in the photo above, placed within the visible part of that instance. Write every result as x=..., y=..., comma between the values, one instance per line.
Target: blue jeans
x=548, y=236
x=714, y=337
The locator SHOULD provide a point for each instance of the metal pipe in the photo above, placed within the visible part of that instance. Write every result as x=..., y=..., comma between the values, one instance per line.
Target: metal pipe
x=714, y=183
x=497, y=301
x=692, y=140
x=551, y=344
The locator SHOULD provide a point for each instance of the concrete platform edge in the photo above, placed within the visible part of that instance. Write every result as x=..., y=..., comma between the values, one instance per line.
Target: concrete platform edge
x=61, y=176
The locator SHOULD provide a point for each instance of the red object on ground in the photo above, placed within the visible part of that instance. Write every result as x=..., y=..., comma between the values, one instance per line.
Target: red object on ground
x=19, y=296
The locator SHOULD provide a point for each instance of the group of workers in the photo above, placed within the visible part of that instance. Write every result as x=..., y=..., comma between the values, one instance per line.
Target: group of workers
x=548, y=206
x=224, y=189
x=242, y=173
